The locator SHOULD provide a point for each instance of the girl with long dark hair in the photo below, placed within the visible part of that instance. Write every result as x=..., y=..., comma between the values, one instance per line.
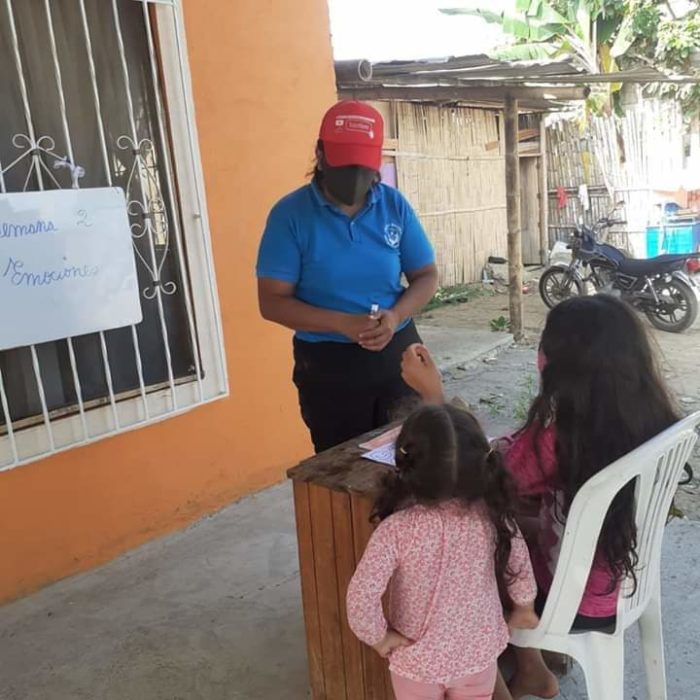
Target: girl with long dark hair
x=446, y=543
x=601, y=396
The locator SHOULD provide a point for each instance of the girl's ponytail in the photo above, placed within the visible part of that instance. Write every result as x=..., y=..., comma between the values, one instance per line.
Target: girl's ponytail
x=393, y=495
x=426, y=463
x=499, y=495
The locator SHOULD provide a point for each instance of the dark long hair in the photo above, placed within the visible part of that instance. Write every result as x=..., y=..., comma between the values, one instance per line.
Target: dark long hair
x=602, y=390
x=316, y=173
x=442, y=454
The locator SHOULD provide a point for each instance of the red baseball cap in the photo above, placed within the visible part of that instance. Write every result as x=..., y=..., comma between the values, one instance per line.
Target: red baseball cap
x=352, y=133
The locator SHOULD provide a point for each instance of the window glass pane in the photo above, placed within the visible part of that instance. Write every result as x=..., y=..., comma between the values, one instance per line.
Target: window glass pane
x=147, y=184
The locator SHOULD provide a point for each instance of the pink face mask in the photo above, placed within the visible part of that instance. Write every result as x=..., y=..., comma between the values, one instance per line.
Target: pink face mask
x=541, y=360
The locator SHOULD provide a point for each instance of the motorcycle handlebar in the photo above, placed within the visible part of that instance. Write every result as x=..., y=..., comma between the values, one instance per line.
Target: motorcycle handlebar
x=607, y=223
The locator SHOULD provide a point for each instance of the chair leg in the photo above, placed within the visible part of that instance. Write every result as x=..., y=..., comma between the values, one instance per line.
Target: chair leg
x=651, y=633
x=603, y=666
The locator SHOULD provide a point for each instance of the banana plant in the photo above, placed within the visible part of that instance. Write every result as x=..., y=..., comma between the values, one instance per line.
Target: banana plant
x=548, y=29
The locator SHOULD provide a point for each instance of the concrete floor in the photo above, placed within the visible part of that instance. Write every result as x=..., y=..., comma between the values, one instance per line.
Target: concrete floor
x=210, y=613
x=214, y=613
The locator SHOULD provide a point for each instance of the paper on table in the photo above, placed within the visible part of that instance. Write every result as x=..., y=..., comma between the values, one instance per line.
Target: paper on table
x=382, y=449
x=384, y=439
x=383, y=455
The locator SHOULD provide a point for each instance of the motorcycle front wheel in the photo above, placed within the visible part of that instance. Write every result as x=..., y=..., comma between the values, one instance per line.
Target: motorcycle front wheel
x=558, y=284
x=677, y=308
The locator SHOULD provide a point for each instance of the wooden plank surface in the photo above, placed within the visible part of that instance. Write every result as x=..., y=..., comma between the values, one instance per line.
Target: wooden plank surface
x=327, y=593
x=307, y=573
x=375, y=676
x=345, y=567
x=342, y=468
x=529, y=211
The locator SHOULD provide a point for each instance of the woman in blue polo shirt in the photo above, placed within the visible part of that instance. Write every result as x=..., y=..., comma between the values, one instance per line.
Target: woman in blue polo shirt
x=330, y=267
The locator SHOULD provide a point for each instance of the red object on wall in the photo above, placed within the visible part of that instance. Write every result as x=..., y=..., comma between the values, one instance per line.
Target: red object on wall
x=562, y=197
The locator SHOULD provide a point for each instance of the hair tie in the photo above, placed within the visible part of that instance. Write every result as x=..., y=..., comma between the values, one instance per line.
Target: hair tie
x=402, y=450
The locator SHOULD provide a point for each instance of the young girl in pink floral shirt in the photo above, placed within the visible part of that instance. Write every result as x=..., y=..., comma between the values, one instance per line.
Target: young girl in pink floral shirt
x=446, y=542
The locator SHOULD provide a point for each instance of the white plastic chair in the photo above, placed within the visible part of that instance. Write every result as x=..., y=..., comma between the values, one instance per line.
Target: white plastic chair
x=657, y=466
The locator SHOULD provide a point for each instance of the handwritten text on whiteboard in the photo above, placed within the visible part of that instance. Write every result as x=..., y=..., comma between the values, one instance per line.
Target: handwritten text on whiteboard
x=67, y=265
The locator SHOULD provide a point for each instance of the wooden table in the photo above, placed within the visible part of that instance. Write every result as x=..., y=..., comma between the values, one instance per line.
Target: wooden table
x=333, y=496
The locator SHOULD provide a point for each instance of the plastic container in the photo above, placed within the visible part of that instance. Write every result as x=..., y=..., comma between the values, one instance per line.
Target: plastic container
x=672, y=238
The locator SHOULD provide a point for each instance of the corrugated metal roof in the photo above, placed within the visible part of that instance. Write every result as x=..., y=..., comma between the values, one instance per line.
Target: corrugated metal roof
x=473, y=67
x=480, y=80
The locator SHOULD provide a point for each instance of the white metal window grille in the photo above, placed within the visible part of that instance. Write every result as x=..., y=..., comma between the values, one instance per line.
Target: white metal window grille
x=83, y=90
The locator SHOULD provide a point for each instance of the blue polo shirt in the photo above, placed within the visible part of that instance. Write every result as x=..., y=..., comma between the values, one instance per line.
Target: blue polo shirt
x=339, y=263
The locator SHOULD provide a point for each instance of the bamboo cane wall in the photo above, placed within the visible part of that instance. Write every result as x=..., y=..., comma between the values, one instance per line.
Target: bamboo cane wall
x=450, y=165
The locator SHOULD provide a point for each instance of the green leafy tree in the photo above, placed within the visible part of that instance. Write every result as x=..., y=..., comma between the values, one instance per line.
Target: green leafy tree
x=605, y=36
x=677, y=47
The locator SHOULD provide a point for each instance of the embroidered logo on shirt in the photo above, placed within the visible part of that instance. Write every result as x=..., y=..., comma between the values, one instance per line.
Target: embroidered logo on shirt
x=392, y=235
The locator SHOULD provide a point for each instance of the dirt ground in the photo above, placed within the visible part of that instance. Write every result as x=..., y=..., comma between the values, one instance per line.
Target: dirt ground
x=499, y=388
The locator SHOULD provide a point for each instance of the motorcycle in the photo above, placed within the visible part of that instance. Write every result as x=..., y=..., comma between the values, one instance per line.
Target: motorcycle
x=660, y=287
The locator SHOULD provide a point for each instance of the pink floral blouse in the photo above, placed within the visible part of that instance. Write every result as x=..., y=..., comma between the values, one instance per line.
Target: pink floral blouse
x=438, y=564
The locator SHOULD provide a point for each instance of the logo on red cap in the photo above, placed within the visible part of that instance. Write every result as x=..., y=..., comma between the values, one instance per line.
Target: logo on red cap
x=352, y=133
x=359, y=125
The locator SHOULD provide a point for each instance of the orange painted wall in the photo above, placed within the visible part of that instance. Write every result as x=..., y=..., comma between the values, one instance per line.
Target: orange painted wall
x=262, y=74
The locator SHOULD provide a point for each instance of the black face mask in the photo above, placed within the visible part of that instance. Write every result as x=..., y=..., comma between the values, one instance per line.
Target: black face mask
x=349, y=184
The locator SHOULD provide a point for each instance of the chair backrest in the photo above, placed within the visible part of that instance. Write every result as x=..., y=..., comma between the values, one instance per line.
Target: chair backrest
x=656, y=466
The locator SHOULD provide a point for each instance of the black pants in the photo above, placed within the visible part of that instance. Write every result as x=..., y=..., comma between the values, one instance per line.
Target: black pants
x=346, y=391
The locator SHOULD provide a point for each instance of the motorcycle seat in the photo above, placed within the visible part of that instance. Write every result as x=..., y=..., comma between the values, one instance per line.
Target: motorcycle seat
x=652, y=266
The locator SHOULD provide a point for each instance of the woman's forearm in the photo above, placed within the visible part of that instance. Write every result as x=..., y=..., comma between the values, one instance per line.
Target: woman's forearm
x=419, y=292
x=299, y=316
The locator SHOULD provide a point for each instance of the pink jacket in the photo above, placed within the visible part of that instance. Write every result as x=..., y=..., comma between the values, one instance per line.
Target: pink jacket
x=438, y=564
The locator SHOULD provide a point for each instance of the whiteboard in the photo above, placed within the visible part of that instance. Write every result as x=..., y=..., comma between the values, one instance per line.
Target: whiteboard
x=67, y=265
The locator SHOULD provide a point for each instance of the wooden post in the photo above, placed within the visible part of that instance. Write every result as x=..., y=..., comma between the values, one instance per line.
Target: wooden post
x=544, y=194
x=515, y=248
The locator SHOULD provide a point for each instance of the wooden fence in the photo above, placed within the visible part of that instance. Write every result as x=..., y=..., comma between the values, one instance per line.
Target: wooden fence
x=617, y=160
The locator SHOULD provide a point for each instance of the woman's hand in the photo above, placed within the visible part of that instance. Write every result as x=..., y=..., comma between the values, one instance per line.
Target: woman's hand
x=354, y=326
x=502, y=445
x=420, y=372
x=392, y=640
x=523, y=618
x=380, y=336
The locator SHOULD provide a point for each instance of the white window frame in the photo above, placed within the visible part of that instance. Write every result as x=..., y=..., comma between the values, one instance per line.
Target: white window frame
x=20, y=446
